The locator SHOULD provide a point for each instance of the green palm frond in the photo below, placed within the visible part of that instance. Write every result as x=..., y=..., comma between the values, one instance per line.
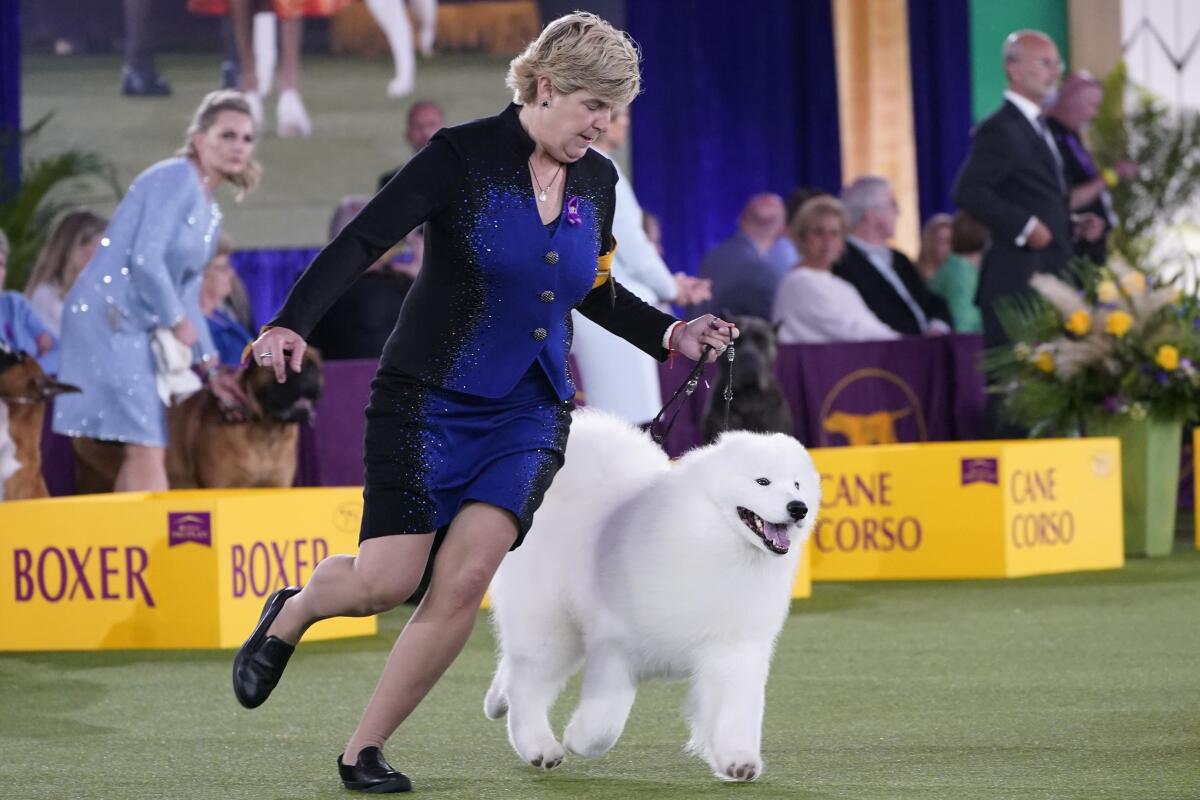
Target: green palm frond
x=45, y=191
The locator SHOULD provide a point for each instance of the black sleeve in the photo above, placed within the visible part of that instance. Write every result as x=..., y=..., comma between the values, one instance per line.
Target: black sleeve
x=419, y=191
x=990, y=161
x=620, y=311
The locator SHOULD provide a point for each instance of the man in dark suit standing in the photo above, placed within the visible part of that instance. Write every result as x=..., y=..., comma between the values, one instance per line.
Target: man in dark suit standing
x=1013, y=182
x=1075, y=107
x=886, y=278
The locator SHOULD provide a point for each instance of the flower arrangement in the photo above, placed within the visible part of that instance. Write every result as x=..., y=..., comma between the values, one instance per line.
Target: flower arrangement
x=1124, y=344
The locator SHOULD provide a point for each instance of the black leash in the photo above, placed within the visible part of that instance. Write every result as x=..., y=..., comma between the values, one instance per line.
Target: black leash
x=659, y=433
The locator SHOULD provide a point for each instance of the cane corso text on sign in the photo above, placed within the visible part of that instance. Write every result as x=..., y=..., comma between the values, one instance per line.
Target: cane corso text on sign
x=968, y=509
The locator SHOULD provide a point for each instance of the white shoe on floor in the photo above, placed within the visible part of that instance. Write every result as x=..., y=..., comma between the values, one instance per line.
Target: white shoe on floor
x=291, y=120
x=400, y=87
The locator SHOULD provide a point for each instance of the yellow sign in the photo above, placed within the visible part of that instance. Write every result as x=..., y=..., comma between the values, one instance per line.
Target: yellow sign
x=183, y=569
x=802, y=586
x=968, y=510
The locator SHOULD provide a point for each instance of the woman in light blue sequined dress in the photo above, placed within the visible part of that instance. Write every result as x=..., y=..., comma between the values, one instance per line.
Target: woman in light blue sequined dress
x=145, y=277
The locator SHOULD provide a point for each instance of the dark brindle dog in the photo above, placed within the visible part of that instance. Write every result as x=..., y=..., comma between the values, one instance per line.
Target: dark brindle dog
x=758, y=403
x=208, y=451
x=24, y=389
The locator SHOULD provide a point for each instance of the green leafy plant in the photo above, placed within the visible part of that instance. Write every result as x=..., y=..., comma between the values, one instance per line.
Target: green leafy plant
x=1125, y=343
x=48, y=187
x=1155, y=209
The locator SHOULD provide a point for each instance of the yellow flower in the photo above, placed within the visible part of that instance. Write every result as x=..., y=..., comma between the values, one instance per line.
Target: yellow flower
x=1079, y=323
x=1118, y=323
x=1167, y=357
x=1106, y=292
x=1133, y=282
x=1044, y=361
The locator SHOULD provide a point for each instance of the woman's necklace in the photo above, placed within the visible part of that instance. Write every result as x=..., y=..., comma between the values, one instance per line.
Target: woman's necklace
x=542, y=190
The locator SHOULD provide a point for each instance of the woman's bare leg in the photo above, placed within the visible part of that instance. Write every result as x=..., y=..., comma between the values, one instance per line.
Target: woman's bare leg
x=143, y=469
x=478, y=539
x=383, y=575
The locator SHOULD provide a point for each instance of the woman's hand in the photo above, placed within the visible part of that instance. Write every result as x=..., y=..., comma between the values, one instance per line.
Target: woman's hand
x=227, y=388
x=691, y=338
x=277, y=348
x=691, y=291
x=185, y=332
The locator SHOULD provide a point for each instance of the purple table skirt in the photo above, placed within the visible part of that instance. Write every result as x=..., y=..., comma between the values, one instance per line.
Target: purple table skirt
x=907, y=391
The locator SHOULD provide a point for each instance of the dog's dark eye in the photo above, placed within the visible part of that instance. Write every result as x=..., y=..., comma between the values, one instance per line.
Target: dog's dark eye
x=797, y=484
x=763, y=481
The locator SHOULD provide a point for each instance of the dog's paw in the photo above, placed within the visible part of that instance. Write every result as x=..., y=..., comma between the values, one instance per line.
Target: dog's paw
x=581, y=740
x=495, y=704
x=549, y=758
x=742, y=767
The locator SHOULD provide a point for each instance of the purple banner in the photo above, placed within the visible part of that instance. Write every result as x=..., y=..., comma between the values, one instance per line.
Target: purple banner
x=907, y=391
x=912, y=390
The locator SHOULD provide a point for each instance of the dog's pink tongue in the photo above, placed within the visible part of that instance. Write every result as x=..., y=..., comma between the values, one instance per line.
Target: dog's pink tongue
x=777, y=535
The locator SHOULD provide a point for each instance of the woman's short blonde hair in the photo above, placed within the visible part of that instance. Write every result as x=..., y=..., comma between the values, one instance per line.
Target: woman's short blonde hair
x=812, y=212
x=578, y=51
x=206, y=115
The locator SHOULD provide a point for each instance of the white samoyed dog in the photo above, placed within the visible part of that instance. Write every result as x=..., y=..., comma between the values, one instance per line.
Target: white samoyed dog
x=637, y=568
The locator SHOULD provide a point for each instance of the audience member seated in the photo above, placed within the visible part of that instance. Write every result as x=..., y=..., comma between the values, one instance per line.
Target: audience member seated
x=812, y=304
x=958, y=278
x=425, y=118
x=67, y=251
x=359, y=323
x=935, y=245
x=743, y=277
x=886, y=278
x=228, y=333
x=784, y=253
x=20, y=329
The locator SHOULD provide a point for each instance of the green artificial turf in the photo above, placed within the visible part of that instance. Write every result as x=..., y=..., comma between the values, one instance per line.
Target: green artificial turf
x=1078, y=686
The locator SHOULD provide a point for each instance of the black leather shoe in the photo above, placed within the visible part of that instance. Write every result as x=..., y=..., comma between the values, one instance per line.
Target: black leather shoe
x=372, y=774
x=259, y=663
x=139, y=83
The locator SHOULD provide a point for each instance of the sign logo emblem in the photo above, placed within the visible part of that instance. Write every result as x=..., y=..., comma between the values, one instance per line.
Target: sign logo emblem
x=872, y=406
x=980, y=470
x=189, y=526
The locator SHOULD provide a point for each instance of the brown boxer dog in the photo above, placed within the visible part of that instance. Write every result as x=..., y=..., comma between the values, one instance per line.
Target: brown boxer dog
x=211, y=447
x=207, y=451
x=24, y=389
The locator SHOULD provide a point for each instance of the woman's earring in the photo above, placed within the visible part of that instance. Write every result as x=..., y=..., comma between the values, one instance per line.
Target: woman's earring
x=545, y=104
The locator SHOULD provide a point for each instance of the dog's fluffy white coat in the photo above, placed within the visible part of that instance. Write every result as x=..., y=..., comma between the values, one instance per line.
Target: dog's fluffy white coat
x=636, y=568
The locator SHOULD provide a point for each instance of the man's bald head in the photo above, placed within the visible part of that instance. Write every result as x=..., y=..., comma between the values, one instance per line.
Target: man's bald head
x=763, y=212
x=1032, y=64
x=763, y=219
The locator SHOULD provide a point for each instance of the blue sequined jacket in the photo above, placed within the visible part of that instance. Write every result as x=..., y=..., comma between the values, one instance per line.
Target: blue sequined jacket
x=496, y=287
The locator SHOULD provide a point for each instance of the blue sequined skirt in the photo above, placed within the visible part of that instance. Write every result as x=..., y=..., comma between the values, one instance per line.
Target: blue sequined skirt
x=428, y=450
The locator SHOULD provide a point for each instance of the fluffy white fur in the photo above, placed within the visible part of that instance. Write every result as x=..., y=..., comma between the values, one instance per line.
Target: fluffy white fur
x=637, y=568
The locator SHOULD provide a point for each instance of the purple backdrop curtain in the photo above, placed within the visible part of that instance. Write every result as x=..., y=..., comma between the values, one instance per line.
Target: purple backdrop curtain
x=939, y=55
x=10, y=95
x=269, y=274
x=737, y=99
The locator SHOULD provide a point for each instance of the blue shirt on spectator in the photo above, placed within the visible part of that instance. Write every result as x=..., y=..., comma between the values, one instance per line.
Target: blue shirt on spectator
x=743, y=279
x=229, y=336
x=20, y=328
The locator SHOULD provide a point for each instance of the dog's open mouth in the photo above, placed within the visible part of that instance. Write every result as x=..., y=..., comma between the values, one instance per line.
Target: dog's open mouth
x=773, y=534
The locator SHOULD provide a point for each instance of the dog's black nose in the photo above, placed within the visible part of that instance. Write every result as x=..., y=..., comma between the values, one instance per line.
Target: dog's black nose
x=797, y=509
